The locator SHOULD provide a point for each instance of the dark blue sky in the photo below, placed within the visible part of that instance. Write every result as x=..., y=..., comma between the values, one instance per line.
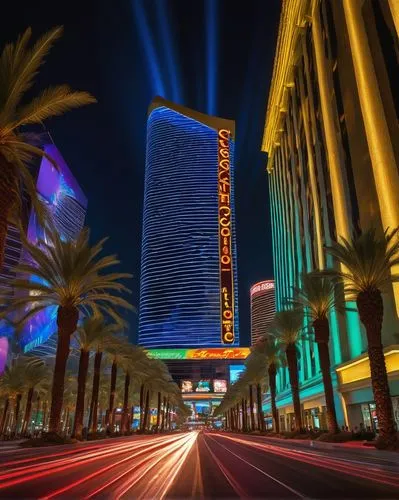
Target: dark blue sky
x=214, y=56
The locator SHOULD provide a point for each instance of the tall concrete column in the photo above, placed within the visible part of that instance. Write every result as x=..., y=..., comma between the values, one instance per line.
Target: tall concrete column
x=382, y=155
x=394, y=6
x=337, y=180
x=336, y=170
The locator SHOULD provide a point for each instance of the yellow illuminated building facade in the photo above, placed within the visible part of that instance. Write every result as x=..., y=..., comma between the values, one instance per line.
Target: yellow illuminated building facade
x=332, y=139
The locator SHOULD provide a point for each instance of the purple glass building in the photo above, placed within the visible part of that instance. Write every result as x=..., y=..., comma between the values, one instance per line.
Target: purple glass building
x=66, y=203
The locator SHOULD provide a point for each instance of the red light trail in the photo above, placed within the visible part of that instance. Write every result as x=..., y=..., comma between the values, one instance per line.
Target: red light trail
x=169, y=451
x=342, y=465
x=192, y=465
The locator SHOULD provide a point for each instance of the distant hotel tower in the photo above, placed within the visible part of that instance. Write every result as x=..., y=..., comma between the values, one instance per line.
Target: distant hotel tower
x=263, y=307
x=332, y=139
x=188, y=291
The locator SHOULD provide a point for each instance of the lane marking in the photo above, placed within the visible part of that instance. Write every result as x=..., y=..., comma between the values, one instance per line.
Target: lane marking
x=292, y=490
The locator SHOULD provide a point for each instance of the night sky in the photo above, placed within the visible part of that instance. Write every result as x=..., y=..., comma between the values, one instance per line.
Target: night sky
x=215, y=56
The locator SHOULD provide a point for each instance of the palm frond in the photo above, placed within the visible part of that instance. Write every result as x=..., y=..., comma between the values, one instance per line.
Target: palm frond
x=21, y=74
x=368, y=259
x=53, y=101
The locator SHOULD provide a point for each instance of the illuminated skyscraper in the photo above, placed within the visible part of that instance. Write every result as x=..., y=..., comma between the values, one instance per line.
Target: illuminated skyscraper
x=332, y=138
x=188, y=292
x=59, y=191
x=263, y=307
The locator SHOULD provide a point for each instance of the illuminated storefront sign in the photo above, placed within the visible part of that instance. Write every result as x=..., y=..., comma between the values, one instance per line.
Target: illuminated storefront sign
x=261, y=287
x=211, y=353
x=225, y=237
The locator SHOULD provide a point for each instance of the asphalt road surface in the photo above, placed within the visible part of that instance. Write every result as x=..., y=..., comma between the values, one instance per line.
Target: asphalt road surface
x=191, y=465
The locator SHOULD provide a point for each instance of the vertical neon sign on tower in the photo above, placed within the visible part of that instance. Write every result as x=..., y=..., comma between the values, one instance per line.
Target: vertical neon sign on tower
x=225, y=254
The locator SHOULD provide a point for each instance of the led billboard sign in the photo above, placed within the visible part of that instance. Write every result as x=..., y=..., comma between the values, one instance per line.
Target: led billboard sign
x=219, y=385
x=211, y=353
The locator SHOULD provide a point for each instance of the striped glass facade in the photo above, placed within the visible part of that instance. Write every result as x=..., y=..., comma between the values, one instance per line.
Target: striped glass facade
x=180, y=280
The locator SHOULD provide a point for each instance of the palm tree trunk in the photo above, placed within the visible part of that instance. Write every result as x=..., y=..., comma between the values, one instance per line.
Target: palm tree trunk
x=125, y=415
x=37, y=410
x=239, y=422
x=371, y=312
x=45, y=411
x=167, y=414
x=141, y=406
x=8, y=196
x=80, y=396
x=146, y=411
x=158, y=412
x=244, y=415
x=17, y=411
x=322, y=336
x=4, y=416
x=110, y=415
x=260, y=409
x=163, y=414
x=251, y=407
x=272, y=370
x=28, y=412
x=293, y=373
x=170, y=417
x=66, y=423
x=67, y=319
x=93, y=416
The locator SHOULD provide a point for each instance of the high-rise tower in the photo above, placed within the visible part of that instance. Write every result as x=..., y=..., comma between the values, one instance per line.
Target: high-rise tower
x=188, y=293
x=263, y=307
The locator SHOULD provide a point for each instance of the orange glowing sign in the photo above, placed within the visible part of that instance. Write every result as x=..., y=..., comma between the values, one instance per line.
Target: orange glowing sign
x=199, y=353
x=225, y=237
x=218, y=353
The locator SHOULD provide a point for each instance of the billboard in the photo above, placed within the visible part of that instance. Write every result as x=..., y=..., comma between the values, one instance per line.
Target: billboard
x=203, y=386
x=225, y=239
x=186, y=386
x=235, y=372
x=219, y=385
x=66, y=204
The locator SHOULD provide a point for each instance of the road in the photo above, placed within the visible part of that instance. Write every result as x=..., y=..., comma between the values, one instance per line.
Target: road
x=191, y=465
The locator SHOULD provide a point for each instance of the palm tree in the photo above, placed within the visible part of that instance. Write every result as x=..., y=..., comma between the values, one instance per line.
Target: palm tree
x=12, y=386
x=19, y=66
x=316, y=297
x=117, y=353
x=156, y=375
x=286, y=327
x=105, y=336
x=269, y=347
x=36, y=376
x=134, y=365
x=368, y=261
x=70, y=276
x=94, y=334
x=257, y=370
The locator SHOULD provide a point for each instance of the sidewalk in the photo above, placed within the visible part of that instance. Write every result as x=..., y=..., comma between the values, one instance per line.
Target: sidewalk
x=355, y=446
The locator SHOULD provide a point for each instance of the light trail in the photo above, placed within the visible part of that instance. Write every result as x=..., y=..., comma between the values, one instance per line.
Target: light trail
x=160, y=487
x=138, y=471
x=27, y=473
x=336, y=464
x=142, y=451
